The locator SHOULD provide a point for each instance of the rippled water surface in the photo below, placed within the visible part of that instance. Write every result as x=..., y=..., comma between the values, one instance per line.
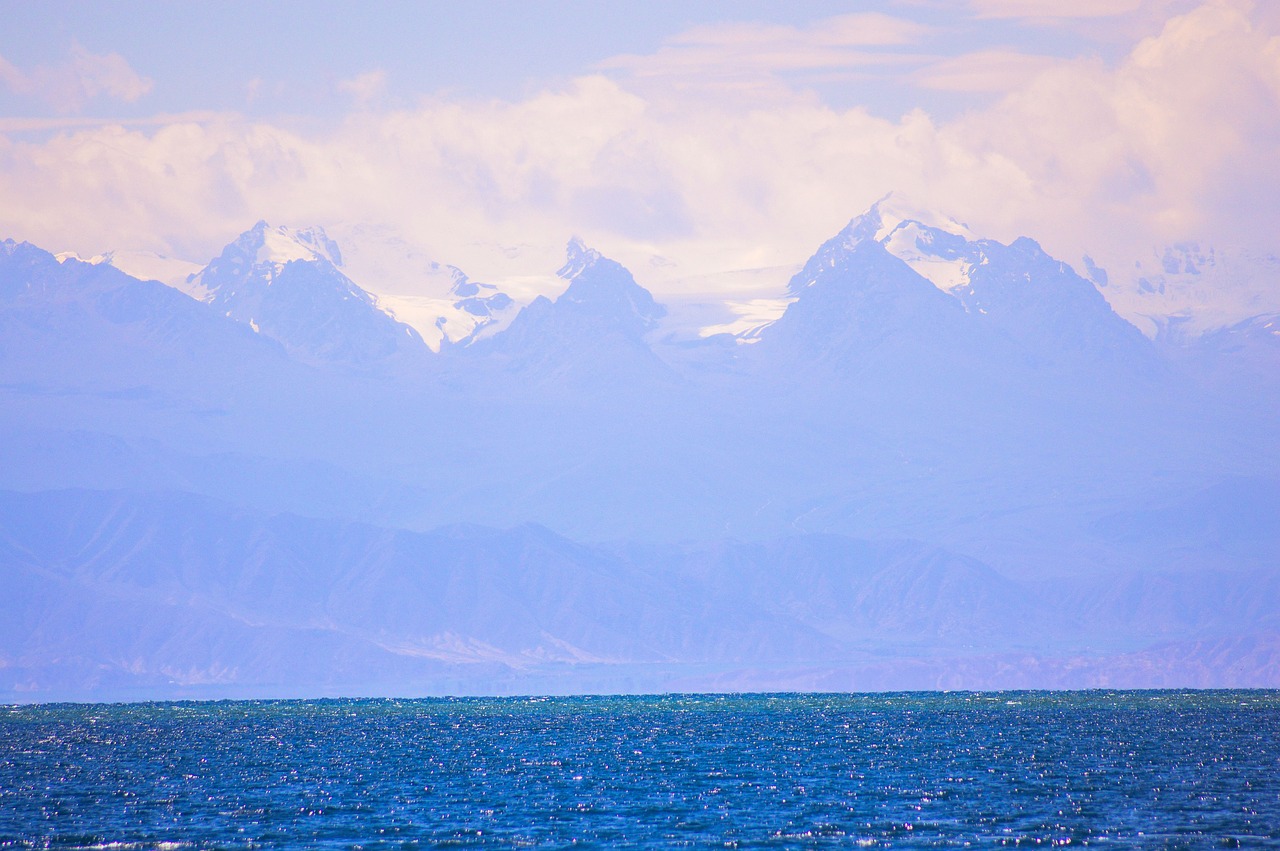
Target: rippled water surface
x=1120, y=769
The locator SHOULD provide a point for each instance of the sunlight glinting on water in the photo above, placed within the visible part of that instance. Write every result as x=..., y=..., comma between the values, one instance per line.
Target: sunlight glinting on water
x=905, y=770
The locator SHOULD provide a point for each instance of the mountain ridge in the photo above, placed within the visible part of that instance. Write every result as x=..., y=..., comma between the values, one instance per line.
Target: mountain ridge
x=895, y=473
x=389, y=606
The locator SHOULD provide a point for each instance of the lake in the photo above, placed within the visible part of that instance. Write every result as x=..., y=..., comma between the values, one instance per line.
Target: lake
x=1159, y=769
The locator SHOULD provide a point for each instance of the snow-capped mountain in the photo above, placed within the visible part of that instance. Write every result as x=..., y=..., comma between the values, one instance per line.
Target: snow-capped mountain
x=594, y=330
x=285, y=284
x=880, y=279
x=859, y=309
x=144, y=265
x=1053, y=313
x=933, y=245
x=602, y=289
x=943, y=412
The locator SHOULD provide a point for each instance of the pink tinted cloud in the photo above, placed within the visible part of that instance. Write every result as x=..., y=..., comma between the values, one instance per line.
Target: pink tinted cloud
x=1176, y=140
x=84, y=76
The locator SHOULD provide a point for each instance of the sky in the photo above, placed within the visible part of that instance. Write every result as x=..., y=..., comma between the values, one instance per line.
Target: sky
x=681, y=138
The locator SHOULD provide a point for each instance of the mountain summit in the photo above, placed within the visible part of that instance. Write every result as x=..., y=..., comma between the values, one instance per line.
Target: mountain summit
x=604, y=289
x=260, y=255
x=594, y=331
x=1013, y=292
x=925, y=241
x=286, y=284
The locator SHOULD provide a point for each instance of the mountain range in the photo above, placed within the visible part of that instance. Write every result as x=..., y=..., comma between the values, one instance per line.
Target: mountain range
x=948, y=462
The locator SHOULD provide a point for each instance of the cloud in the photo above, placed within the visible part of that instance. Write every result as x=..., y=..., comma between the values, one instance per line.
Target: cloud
x=365, y=88
x=843, y=43
x=70, y=85
x=1053, y=8
x=853, y=30
x=984, y=71
x=1177, y=140
x=37, y=125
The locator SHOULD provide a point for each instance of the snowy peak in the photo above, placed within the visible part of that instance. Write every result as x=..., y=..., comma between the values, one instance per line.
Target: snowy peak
x=894, y=262
x=932, y=245
x=604, y=288
x=943, y=258
x=145, y=266
x=895, y=221
x=895, y=211
x=280, y=245
x=593, y=335
x=578, y=259
x=945, y=252
x=259, y=255
x=833, y=254
x=940, y=249
x=286, y=284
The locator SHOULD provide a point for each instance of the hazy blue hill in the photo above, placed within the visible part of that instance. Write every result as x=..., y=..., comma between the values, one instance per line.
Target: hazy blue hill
x=171, y=591
x=869, y=593
x=1232, y=524
x=78, y=641
x=1235, y=366
x=461, y=595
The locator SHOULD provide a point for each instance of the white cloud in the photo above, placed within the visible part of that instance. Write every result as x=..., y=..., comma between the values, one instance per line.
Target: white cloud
x=867, y=29
x=12, y=77
x=365, y=88
x=77, y=122
x=712, y=53
x=984, y=71
x=70, y=85
x=1054, y=8
x=1180, y=139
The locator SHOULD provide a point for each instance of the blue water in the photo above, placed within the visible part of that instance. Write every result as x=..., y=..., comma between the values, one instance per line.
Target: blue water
x=1117, y=769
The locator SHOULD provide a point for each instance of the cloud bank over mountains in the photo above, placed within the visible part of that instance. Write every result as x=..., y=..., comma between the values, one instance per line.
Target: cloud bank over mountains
x=656, y=160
